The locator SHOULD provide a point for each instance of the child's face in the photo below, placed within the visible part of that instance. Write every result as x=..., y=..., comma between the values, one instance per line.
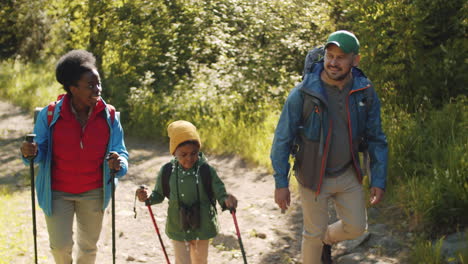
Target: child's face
x=187, y=155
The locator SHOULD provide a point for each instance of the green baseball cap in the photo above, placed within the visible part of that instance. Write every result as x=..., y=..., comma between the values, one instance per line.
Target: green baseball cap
x=345, y=40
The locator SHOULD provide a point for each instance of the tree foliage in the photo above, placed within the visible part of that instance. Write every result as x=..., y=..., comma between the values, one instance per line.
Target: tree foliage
x=415, y=51
x=228, y=65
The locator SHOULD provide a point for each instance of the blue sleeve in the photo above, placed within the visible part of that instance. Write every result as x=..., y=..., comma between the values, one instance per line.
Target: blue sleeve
x=285, y=134
x=118, y=145
x=378, y=147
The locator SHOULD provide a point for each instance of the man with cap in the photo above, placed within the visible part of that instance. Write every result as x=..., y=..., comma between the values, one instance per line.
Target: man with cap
x=325, y=121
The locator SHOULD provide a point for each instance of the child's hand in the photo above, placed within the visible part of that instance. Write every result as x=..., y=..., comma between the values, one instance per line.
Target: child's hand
x=231, y=202
x=142, y=194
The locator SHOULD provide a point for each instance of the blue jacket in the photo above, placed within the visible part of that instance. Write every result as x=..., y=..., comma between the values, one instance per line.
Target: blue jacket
x=363, y=122
x=44, y=156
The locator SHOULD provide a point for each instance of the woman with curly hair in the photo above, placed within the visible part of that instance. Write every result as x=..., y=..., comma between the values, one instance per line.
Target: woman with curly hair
x=73, y=138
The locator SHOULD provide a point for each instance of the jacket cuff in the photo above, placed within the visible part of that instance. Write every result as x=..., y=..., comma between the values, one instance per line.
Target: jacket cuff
x=281, y=182
x=375, y=184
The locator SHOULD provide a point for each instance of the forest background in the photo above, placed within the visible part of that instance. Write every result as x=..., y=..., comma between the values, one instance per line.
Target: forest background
x=228, y=66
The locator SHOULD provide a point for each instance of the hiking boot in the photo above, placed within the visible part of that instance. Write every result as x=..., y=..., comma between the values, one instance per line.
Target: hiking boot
x=326, y=254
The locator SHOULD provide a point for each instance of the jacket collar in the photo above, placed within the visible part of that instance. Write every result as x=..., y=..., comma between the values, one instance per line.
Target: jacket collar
x=64, y=101
x=312, y=84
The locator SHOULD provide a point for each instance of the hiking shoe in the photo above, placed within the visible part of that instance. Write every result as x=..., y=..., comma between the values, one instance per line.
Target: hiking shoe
x=326, y=254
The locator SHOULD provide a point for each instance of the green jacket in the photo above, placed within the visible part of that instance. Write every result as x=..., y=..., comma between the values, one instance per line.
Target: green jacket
x=188, y=196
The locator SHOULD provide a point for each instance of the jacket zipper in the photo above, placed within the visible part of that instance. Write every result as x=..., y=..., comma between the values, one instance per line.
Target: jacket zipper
x=322, y=169
x=324, y=157
x=350, y=132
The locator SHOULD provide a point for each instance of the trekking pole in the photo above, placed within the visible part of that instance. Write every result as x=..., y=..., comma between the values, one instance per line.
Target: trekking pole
x=233, y=212
x=30, y=139
x=148, y=204
x=112, y=177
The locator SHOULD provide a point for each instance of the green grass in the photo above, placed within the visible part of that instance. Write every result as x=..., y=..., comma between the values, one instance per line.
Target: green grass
x=252, y=142
x=426, y=251
x=15, y=237
x=428, y=167
x=29, y=85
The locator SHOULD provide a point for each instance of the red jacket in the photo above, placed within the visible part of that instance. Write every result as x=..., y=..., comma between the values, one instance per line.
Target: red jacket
x=78, y=153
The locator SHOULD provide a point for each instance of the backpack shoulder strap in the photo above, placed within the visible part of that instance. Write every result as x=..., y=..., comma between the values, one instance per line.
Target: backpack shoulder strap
x=205, y=174
x=51, y=109
x=166, y=174
x=50, y=112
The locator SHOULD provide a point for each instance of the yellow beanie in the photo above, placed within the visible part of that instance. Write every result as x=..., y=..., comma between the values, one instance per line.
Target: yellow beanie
x=179, y=132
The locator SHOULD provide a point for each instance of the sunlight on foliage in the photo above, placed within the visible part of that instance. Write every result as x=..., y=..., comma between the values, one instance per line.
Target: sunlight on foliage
x=29, y=85
x=426, y=252
x=228, y=66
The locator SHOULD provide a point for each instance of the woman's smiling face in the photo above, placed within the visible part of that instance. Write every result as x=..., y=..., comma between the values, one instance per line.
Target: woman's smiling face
x=88, y=89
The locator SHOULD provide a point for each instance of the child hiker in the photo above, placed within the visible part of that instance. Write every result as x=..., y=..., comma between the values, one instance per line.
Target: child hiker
x=191, y=215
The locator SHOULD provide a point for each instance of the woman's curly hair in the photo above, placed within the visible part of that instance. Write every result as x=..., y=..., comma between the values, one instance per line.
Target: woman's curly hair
x=71, y=67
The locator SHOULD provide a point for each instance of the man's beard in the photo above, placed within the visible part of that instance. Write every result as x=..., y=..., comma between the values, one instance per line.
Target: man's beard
x=339, y=77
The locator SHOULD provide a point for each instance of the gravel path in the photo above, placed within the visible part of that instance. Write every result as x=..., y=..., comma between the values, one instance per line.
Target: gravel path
x=268, y=236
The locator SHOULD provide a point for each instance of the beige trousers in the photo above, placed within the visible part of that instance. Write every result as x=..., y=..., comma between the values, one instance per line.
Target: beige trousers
x=348, y=196
x=87, y=207
x=191, y=252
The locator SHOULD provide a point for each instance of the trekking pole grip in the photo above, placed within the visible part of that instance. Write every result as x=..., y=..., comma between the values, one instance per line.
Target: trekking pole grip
x=147, y=202
x=142, y=187
x=112, y=171
x=109, y=157
x=30, y=139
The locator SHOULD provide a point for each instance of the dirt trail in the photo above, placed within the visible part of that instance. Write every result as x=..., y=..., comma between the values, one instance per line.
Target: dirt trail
x=268, y=236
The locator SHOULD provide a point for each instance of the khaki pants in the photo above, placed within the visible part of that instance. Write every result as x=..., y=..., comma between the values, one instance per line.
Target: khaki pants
x=348, y=196
x=191, y=252
x=87, y=207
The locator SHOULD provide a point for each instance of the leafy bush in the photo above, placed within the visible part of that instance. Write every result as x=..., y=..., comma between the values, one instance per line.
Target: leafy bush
x=413, y=50
x=29, y=85
x=429, y=164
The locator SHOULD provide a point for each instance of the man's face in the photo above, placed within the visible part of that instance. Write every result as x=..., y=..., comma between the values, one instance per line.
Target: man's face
x=88, y=89
x=338, y=64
